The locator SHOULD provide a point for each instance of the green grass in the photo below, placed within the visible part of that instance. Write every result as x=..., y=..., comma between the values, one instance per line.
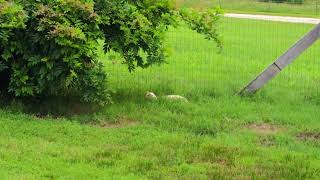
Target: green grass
x=310, y=8
x=204, y=139
x=196, y=67
x=211, y=137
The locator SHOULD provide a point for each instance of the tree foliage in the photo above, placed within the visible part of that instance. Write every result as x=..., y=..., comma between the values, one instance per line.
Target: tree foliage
x=49, y=47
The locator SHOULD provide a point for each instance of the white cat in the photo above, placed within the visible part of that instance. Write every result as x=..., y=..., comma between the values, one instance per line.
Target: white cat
x=152, y=96
x=176, y=98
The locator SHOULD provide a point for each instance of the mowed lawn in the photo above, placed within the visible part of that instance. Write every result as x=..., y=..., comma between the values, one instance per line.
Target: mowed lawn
x=308, y=8
x=217, y=135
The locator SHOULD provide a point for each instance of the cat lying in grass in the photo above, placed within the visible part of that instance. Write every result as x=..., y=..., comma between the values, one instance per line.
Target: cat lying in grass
x=152, y=96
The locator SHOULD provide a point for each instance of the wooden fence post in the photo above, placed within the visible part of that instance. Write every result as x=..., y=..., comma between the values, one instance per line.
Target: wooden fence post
x=283, y=61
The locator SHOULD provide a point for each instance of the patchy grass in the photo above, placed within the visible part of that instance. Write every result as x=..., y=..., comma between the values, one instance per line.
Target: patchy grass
x=169, y=140
x=264, y=128
x=119, y=123
x=309, y=136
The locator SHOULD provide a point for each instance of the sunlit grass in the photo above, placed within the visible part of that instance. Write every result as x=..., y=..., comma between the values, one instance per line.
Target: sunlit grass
x=309, y=8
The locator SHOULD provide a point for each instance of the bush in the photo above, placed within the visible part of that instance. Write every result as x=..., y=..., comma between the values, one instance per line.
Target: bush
x=50, y=47
x=12, y=17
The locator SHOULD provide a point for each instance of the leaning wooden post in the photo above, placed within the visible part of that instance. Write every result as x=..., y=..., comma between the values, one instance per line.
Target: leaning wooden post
x=283, y=61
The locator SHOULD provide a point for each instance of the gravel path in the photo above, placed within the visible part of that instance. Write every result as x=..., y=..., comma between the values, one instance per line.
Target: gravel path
x=275, y=18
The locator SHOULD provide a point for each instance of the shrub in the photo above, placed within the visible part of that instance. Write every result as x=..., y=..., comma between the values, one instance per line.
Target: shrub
x=49, y=47
x=12, y=17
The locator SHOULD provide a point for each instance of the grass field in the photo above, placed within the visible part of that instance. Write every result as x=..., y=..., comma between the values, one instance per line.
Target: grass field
x=196, y=67
x=272, y=135
x=212, y=138
x=309, y=8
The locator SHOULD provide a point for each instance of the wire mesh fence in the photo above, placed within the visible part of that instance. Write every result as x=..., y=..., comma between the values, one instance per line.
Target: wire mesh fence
x=195, y=65
x=288, y=7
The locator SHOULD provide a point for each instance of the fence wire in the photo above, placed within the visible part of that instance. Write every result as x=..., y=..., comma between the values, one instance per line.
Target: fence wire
x=195, y=67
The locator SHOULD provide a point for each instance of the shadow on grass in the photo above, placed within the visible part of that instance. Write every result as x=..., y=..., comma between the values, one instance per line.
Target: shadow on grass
x=54, y=106
x=66, y=107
